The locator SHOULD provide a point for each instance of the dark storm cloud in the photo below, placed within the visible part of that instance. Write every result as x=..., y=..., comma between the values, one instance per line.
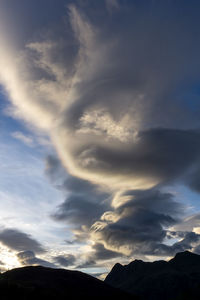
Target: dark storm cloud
x=28, y=258
x=79, y=210
x=89, y=263
x=98, y=254
x=65, y=260
x=84, y=204
x=189, y=241
x=140, y=223
x=74, y=184
x=54, y=168
x=193, y=179
x=161, y=154
x=19, y=241
x=101, y=253
x=70, y=184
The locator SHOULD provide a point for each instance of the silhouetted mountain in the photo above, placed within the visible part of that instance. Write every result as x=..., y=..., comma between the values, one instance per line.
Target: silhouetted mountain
x=46, y=283
x=177, y=279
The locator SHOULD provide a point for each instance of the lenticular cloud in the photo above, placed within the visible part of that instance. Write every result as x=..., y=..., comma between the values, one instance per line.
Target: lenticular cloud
x=109, y=99
x=98, y=104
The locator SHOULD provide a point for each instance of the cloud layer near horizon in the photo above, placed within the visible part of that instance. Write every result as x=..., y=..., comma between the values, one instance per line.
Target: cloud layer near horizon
x=116, y=100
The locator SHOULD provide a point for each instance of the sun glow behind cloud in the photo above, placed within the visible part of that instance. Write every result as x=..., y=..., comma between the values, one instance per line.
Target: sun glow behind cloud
x=8, y=258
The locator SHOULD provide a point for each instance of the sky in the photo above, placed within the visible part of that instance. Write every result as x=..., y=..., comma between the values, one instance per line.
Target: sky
x=99, y=132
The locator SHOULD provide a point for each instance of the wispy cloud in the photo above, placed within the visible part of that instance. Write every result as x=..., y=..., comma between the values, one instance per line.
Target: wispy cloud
x=28, y=140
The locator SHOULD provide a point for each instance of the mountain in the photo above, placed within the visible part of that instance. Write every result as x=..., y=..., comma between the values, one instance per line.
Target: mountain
x=177, y=279
x=38, y=282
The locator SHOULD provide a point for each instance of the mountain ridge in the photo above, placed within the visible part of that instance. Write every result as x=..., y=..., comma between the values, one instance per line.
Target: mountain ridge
x=166, y=280
x=38, y=282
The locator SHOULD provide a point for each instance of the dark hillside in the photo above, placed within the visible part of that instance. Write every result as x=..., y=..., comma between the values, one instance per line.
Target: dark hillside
x=176, y=279
x=46, y=283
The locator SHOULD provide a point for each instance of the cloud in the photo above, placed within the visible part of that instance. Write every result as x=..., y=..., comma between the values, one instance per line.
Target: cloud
x=110, y=146
x=157, y=156
x=97, y=256
x=28, y=140
x=188, y=241
x=28, y=258
x=116, y=99
x=112, y=5
x=55, y=171
x=192, y=180
x=139, y=225
x=89, y=263
x=19, y=241
x=79, y=210
x=133, y=222
x=65, y=260
x=100, y=253
x=77, y=97
x=84, y=203
x=98, y=138
x=189, y=223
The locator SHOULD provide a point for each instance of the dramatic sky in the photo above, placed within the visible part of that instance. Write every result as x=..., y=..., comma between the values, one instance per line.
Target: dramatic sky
x=99, y=131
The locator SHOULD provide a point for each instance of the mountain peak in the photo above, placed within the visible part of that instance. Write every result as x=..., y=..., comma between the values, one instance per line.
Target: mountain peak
x=185, y=254
x=185, y=260
x=117, y=268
